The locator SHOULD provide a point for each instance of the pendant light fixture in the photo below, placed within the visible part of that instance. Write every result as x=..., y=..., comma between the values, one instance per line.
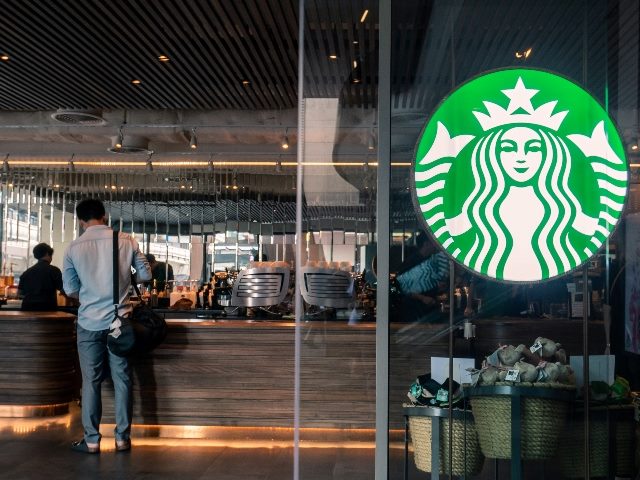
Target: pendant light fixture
x=119, y=139
x=285, y=140
x=193, y=143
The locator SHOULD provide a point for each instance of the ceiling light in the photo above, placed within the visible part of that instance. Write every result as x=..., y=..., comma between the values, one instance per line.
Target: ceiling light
x=355, y=42
x=193, y=143
x=333, y=57
x=119, y=139
x=246, y=83
x=364, y=16
x=285, y=140
x=4, y=57
x=130, y=144
x=371, y=144
x=355, y=80
x=234, y=185
x=163, y=58
x=355, y=64
x=524, y=54
x=136, y=81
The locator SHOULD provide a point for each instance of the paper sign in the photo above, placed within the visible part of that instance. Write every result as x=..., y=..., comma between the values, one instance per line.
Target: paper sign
x=513, y=376
x=440, y=369
x=601, y=368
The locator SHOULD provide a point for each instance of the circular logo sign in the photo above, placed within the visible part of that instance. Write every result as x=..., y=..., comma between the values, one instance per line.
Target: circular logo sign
x=520, y=175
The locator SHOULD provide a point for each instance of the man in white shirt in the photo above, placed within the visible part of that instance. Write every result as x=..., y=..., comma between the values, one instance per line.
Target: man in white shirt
x=87, y=274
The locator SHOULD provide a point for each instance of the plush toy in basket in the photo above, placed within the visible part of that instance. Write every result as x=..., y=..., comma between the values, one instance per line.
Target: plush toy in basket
x=428, y=400
x=542, y=366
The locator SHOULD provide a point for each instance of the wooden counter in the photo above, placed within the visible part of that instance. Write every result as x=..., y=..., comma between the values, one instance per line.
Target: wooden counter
x=37, y=352
x=241, y=373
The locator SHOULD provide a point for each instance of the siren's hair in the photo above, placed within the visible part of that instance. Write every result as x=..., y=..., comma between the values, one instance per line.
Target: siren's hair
x=551, y=239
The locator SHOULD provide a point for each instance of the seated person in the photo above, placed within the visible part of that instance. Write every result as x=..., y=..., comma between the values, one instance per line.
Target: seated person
x=161, y=272
x=39, y=284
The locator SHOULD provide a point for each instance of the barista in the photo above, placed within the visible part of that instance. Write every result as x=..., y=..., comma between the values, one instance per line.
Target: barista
x=39, y=284
x=161, y=272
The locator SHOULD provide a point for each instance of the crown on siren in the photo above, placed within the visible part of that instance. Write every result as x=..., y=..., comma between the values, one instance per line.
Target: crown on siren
x=519, y=100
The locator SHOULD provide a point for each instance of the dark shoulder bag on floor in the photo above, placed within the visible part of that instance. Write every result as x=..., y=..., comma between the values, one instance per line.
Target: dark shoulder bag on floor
x=142, y=330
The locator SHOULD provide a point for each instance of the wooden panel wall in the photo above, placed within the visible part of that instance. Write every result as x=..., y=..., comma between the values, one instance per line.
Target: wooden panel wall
x=235, y=373
x=37, y=351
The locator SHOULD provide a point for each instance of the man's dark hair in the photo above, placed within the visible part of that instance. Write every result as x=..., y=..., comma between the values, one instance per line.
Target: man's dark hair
x=42, y=250
x=90, y=209
x=151, y=257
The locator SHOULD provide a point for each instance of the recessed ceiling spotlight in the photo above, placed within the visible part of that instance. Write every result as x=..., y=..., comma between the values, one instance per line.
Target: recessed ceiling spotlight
x=333, y=56
x=634, y=147
x=524, y=54
x=4, y=57
x=246, y=83
x=355, y=80
x=163, y=58
x=136, y=81
x=356, y=42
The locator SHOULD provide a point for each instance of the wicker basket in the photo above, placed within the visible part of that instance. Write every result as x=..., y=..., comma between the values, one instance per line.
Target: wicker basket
x=420, y=429
x=572, y=451
x=542, y=420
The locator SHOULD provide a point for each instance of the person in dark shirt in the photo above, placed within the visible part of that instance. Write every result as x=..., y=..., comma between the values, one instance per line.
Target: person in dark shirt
x=160, y=271
x=39, y=284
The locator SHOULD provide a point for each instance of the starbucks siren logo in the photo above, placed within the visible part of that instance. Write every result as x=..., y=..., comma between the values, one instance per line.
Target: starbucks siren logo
x=520, y=175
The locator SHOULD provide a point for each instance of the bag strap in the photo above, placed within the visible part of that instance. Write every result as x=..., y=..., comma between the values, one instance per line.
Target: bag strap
x=116, y=273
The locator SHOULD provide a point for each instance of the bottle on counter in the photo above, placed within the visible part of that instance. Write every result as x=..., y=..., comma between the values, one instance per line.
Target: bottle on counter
x=153, y=298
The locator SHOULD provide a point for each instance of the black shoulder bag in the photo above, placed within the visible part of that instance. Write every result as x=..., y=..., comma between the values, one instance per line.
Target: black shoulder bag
x=140, y=331
x=121, y=339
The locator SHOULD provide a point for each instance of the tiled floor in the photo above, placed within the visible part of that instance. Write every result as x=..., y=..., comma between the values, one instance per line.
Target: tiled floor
x=31, y=450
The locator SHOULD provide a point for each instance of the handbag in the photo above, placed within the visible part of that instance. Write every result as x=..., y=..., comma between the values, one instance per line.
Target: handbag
x=142, y=329
x=121, y=338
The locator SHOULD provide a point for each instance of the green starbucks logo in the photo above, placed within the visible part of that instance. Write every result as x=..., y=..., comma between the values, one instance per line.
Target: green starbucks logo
x=520, y=175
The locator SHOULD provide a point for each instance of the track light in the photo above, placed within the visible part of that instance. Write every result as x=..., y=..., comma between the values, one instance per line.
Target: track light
x=193, y=143
x=371, y=143
x=285, y=140
x=149, y=164
x=119, y=139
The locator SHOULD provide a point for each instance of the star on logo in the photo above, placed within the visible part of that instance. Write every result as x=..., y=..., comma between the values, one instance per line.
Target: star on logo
x=520, y=97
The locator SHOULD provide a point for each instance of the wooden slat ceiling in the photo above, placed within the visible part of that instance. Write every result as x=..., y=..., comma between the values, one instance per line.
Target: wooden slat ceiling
x=85, y=53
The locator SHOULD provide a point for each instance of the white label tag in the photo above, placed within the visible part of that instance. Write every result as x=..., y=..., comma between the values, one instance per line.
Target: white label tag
x=513, y=376
x=536, y=347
